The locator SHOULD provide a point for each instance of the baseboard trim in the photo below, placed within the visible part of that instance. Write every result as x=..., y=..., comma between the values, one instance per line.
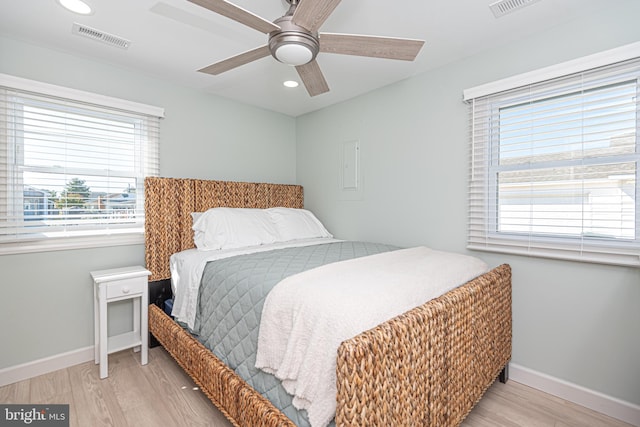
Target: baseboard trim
x=611, y=406
x=13, y=374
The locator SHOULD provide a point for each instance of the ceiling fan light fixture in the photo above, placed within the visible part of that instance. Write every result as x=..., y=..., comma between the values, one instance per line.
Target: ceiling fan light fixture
x=293, y=54
x=292, y=44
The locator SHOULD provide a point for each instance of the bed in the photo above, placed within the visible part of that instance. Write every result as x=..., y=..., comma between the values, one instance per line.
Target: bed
x=428, y=366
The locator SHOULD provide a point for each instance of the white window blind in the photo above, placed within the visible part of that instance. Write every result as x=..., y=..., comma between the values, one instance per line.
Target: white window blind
x=554, y=167
x=72, y=171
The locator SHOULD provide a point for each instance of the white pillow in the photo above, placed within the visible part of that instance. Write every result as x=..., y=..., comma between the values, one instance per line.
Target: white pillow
x=228, y=228
x=195, y=216
x=296, y=224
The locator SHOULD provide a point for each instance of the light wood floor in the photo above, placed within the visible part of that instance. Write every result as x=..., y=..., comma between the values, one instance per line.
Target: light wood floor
x=161, y=394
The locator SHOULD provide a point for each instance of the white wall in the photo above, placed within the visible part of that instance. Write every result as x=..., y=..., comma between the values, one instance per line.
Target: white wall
x=47, y=304
x=573, y=321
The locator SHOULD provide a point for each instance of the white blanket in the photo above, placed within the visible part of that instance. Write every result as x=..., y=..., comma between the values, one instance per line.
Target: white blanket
x=306, y=316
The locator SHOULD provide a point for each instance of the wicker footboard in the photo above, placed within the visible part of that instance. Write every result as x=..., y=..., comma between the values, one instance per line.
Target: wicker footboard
x=427, y=367
x=431, y=365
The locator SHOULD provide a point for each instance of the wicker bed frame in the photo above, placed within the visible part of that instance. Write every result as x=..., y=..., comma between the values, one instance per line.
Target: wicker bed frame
x=427, y=367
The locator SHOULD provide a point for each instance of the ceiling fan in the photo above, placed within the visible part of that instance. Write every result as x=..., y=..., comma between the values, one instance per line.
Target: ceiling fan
x=294, y=40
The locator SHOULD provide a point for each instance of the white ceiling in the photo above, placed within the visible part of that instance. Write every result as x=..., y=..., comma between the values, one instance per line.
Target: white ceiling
x=171, y=39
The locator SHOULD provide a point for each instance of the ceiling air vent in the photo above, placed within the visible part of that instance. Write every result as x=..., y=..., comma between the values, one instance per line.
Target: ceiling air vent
x=502, y=7
x=92, y=33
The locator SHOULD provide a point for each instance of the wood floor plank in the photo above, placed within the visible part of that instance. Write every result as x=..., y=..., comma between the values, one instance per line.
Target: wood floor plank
x=53, y=388
x=94, y=399
x=15, y=393
x=183, y=396
x=512, y=411
x=138, y=399
x=49, y=387
x=514, y=404
x=161, y=394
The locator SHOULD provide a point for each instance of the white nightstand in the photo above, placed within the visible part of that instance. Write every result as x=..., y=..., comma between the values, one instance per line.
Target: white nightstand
x=116, y=285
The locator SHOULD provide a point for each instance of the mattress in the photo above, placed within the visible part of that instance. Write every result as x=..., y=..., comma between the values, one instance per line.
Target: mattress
x=230, y=300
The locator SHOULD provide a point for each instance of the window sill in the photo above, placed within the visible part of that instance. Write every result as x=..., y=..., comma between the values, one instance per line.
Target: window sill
x=70, y=243
x=618, y=258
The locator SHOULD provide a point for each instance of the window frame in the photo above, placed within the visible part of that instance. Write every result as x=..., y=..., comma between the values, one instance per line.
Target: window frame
x=485, y=155
x=147, y=149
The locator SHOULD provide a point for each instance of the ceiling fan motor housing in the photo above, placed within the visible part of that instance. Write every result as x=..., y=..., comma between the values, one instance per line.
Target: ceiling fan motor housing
x=293, y=44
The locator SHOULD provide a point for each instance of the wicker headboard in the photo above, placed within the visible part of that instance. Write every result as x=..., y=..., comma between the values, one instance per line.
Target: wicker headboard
x=170, y=201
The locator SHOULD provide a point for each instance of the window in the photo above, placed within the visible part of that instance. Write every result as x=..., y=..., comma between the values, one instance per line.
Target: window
x=72, y=167
x=555, y=167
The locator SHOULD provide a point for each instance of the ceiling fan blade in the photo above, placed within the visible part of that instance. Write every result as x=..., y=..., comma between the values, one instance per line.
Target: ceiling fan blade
x=312, y=78
x=311, y=14
x=372, y=46
x=236, y=61
x=238, y=14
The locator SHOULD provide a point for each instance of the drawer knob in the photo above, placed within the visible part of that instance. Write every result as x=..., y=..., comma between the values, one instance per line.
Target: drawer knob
x=125, y=290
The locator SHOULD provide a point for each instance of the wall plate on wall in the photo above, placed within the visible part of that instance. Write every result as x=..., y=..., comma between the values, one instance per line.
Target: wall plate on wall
x=350, y=179
x=350, y=166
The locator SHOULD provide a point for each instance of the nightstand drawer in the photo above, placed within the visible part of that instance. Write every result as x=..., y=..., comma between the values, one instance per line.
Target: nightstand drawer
x=124, y=287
